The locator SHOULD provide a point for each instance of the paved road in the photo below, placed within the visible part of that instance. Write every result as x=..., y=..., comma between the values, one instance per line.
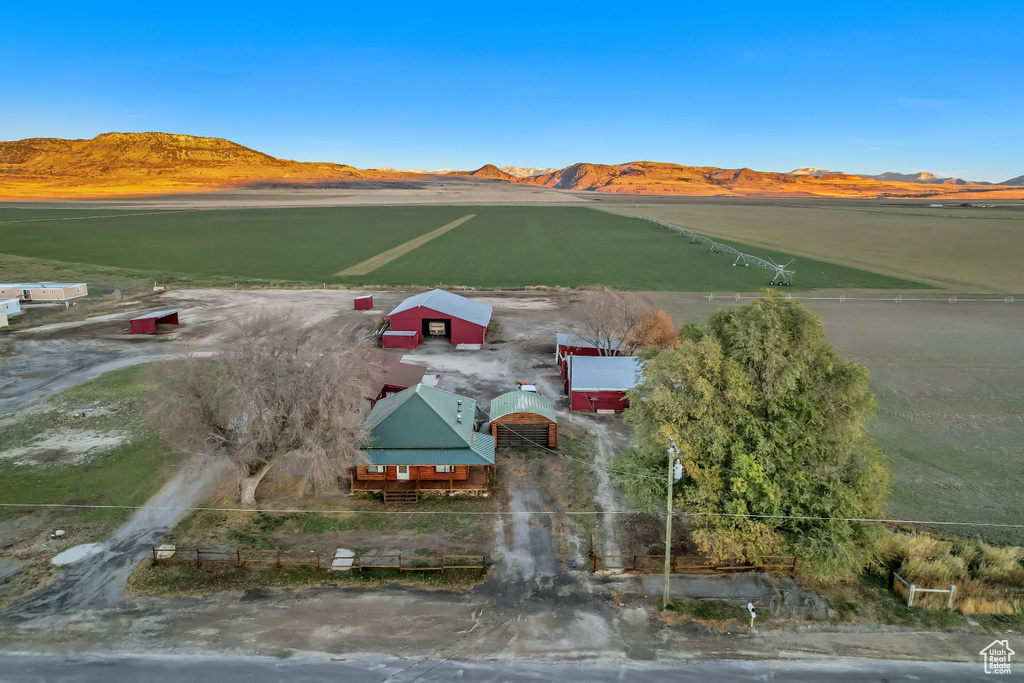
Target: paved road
x=360, y=669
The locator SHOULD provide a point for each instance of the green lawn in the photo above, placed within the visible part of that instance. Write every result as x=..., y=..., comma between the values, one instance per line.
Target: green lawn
x=502, y=247
x=127, y=474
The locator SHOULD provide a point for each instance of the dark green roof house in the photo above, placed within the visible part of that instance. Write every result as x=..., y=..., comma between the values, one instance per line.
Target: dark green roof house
x=420, y=440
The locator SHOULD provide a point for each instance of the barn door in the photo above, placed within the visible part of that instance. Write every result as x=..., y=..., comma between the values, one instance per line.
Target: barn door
x=521, y=436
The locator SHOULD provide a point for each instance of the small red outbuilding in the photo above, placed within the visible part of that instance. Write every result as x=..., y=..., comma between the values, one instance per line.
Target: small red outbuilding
x=364, y=303
x=600, y=383
x=146, y=324
x=399, y=339
x=441, y=313
x=567, y=345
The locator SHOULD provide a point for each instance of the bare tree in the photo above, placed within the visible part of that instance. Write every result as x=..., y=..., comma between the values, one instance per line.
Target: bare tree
x=605, y=317
x=276, y=390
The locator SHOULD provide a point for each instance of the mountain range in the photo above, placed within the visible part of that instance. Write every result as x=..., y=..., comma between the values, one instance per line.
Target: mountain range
x=129, y=164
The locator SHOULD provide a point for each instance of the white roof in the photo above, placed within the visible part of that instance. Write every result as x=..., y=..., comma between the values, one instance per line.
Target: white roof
x=37, y=285
x=569, y=339
x=157, y=314
x=399, y=333
x=603, y=373
x=449, y=304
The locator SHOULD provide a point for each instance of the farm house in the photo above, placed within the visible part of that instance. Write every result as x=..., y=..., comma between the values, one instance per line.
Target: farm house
x=599, y=383
x=421, y=440
x=523, y=418
x=441, y=314
x=43, y=291
x=146, y=324
x=574, y=345
x=396, y=376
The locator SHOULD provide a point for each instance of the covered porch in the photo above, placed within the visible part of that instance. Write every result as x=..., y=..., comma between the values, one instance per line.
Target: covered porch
x=408, y=490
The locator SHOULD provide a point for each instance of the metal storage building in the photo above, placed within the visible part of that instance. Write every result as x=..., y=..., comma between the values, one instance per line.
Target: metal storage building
x=574, y=345
x=523, y=418
x=146, y=324
x=397, y=339
x=600, y=383
x=465, y=321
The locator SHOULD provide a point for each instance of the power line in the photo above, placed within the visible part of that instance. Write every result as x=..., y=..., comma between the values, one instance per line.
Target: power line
x=499, y=513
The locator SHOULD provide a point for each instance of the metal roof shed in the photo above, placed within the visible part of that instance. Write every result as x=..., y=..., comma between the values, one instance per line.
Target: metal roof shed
x=523, y=418
x=146, y=324
x=600, y=383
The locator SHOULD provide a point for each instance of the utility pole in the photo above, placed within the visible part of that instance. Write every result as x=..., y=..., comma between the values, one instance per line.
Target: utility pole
x=672, y=453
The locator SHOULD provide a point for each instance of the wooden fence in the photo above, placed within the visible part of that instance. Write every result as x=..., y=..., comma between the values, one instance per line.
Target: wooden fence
x=686, y=564
x=315, y=560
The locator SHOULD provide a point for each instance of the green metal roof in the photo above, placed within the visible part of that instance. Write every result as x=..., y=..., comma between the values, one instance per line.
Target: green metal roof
x=522, y=402
x=418, y=426
x=480, y=453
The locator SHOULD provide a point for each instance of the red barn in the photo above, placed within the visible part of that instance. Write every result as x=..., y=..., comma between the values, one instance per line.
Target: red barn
x=395, y=375
x=146, y=324
x=600, y=383
x=567, y=345
x=364, y=303
x=440, y=313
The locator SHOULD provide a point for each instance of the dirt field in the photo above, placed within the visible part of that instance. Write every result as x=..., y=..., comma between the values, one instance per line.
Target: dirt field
x=959, y=249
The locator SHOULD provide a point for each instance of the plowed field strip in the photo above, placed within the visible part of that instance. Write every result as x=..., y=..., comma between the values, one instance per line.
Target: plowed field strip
x=374, y=262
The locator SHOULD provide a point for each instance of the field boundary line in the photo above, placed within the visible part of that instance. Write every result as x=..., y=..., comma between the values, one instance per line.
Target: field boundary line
x=86, y=218
x=374, y=262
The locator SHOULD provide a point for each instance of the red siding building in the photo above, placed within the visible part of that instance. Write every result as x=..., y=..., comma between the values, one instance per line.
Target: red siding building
x=364, y=303
x=464, y=321
x=600, y=383
x=146, y=324
x=395, y=376
x=397, y=339
x=567, y=345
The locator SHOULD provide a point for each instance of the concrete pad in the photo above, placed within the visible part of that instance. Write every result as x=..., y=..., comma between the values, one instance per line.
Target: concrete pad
x=467, y=347
x=343, y=559
x=77, y=553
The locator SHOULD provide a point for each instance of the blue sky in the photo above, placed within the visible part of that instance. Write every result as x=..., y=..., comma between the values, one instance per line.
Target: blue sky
x=861, y=87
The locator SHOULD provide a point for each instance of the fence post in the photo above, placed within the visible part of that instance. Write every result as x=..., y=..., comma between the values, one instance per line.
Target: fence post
x=359, y=557
x=278, y=559
x=952, y=589
x=442, y=564
x=318, y=560
x=154, y=554
x=910, y=598
x=238, y=552
x=198, y=562
x=399, y=562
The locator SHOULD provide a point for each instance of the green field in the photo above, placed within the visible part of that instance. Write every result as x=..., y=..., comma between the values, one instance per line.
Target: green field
x=502, y=247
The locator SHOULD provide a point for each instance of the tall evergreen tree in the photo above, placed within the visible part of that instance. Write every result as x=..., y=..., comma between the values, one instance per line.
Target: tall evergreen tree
x=770, y=421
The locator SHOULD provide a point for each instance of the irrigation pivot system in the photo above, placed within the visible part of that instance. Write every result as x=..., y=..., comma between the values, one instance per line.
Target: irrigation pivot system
x=779, y=274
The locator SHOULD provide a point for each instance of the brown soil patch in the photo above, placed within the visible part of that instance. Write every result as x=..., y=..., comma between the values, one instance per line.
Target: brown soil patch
x=374, y=262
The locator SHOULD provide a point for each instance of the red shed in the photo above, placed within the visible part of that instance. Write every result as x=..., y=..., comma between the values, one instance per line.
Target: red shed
x=364, y=303
x=395, y=376
x=440, y=313
x=146, y=324
x=398, y=339
x=600, y=383
x=574, y=345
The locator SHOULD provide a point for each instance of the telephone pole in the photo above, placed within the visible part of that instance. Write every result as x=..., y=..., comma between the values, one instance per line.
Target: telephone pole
x=672, y=453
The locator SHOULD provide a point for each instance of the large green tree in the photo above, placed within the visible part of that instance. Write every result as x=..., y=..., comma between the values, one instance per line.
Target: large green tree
x=769, y=421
